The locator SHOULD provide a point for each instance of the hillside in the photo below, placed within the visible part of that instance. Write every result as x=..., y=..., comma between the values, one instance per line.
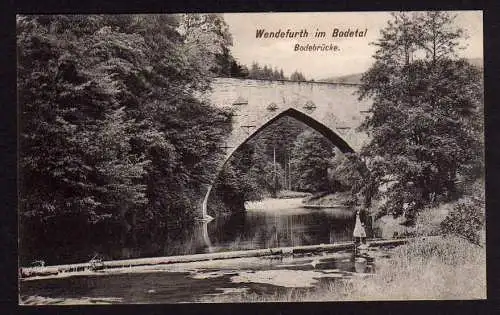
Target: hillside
x=355, y=78
x=350, y=78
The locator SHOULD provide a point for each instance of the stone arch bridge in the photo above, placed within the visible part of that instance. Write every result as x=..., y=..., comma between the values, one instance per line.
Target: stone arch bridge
x=333, y=109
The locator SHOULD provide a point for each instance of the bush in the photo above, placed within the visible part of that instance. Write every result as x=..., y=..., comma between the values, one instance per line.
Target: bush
x=428, y=220
x=466, y=220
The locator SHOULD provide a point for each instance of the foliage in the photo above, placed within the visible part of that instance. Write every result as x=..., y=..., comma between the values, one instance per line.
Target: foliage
x=238, y=180
x=466, y=220
x=256, y=71
x=207, y=35
x=112, y=137
x=426, y=120
x=249, y=174
x=259, y=168
x=285, y=155
x=297, y=76
x=344, y=174
x=312, y=155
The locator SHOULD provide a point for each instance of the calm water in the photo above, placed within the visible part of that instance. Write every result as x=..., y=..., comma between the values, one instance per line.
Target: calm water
x=196, y=282
x=275, y=228
x=265, y=228
x=270, y=223
x=252, y=229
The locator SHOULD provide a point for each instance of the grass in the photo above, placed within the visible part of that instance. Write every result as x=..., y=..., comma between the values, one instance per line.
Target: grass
x=437, y=268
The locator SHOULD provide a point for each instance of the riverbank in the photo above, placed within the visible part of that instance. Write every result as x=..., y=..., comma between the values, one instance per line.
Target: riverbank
x=287, y=200
x=432, y=268
x=292, y=194
x=274, y=204
x=322, y=200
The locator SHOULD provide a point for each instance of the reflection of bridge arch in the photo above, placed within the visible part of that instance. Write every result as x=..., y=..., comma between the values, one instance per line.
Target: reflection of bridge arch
x=327, y=132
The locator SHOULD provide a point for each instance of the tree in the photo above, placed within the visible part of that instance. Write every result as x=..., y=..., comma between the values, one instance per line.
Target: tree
x=312, y=156
x=297, y=76
x=424, y=124
x=438, y=38
x=255, y=71
x=207, y=35
x=72, y=166
x=276, y=74
x=266, y=72
x=248, y=175
x=344, y=174
x=259, y=168
x=238, y=70
x=112, y=135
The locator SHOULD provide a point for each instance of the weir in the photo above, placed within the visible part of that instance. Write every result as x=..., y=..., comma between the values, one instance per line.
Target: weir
x=50, y=271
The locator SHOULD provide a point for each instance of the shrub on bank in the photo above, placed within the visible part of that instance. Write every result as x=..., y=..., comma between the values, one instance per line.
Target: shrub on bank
x=466, y=220
x=428, y=221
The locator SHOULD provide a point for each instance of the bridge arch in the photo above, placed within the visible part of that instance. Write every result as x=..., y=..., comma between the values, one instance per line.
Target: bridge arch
x=329, y=133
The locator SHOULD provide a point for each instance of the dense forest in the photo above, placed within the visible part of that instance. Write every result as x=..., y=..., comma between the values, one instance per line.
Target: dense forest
x=113, y=145
x=256, y=71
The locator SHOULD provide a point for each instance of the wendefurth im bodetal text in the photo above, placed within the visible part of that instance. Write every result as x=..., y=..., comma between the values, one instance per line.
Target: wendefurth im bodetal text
x=336, y=32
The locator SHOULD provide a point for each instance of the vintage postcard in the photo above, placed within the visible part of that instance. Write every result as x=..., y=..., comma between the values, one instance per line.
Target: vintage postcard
x=251, y=157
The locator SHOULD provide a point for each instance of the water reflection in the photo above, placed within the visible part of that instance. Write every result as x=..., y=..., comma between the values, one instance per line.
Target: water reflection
x=279, y=224
x=260, y=229
x=187, y=240
x=244, y=230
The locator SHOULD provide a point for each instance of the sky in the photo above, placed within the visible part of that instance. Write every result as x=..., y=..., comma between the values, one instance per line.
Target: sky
x=354, y=55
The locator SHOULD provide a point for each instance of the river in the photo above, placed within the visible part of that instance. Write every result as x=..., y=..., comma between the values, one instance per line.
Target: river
x=202, y=281
x=278, y=223
x=267, y=224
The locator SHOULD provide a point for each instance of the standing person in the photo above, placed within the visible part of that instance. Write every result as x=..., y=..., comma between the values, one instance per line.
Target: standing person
x=359, y=230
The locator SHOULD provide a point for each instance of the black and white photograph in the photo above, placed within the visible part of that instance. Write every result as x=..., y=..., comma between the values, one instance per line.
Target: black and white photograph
x=250, y=157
